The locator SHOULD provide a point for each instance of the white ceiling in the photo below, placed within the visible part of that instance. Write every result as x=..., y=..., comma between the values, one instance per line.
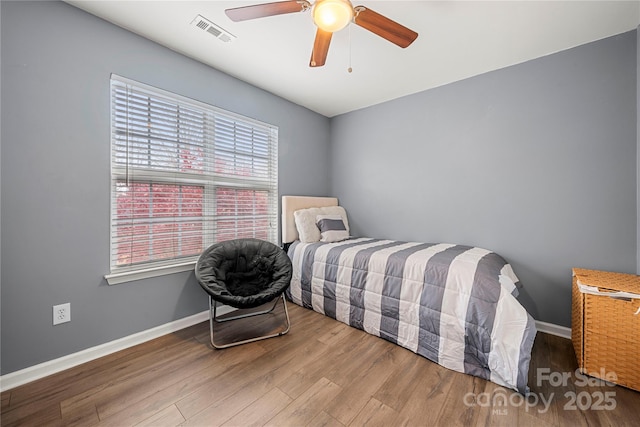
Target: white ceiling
x=457, y=39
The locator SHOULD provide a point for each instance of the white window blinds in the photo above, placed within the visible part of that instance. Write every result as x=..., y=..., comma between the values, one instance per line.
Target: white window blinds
x=184, y=175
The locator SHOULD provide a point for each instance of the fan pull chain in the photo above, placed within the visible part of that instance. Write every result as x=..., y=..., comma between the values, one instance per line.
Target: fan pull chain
x=350, y=69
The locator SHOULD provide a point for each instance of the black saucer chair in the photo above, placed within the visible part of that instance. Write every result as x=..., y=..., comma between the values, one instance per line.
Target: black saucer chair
x=244, y=273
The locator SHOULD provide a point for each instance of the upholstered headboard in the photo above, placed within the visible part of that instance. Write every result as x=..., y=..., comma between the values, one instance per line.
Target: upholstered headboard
x=290, y=204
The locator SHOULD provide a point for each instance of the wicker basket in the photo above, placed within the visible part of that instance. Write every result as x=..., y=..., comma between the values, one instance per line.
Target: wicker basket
x=606, y=331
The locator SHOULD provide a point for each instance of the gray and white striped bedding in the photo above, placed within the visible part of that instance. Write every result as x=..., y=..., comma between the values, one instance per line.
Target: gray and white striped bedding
x=455, y=305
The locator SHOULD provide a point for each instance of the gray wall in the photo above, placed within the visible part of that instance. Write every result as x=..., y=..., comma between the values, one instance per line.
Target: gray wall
x=638, y=146
x=536, y=162
x=56, y=63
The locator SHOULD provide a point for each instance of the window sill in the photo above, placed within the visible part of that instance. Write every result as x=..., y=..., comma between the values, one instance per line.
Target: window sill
x=130, y=276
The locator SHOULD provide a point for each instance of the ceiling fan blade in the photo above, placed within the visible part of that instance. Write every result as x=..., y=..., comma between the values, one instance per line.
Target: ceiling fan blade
x=384, y=27
x=320, y=48
x=266, y=9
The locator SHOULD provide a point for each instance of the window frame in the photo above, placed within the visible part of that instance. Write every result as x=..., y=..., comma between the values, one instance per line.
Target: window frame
x=210, y=179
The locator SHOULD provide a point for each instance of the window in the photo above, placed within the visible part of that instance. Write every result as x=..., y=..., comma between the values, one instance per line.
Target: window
x=184, y=175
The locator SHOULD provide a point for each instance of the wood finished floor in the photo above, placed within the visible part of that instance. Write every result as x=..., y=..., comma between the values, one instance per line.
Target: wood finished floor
x=323, y=373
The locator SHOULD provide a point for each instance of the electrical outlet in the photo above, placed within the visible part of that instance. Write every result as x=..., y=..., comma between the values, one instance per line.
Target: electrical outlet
x=61, y=313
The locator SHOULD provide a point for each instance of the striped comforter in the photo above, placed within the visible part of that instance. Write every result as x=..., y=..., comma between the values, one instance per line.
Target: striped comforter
x=452, y=304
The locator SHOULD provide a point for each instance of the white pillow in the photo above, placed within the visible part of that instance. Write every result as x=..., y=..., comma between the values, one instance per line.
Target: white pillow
x=332, y=228
x=305, y=219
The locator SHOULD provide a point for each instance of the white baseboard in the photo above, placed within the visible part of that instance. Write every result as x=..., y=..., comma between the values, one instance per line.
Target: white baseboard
x=550, y=328
x=32, y=373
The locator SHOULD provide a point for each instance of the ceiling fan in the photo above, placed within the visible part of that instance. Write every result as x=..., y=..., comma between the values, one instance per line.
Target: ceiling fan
x=329, y=16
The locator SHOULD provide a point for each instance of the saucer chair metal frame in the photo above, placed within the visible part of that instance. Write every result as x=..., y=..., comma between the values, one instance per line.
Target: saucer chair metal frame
x=221, y=261
x=214, y=319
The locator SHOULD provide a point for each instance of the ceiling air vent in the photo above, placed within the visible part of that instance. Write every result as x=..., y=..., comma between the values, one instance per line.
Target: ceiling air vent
x=218, y=32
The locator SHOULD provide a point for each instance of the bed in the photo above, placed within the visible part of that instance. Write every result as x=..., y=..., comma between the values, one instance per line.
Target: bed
x=455, y=305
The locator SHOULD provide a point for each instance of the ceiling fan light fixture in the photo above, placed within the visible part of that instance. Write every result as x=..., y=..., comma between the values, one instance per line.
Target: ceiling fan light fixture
x=332, y=15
